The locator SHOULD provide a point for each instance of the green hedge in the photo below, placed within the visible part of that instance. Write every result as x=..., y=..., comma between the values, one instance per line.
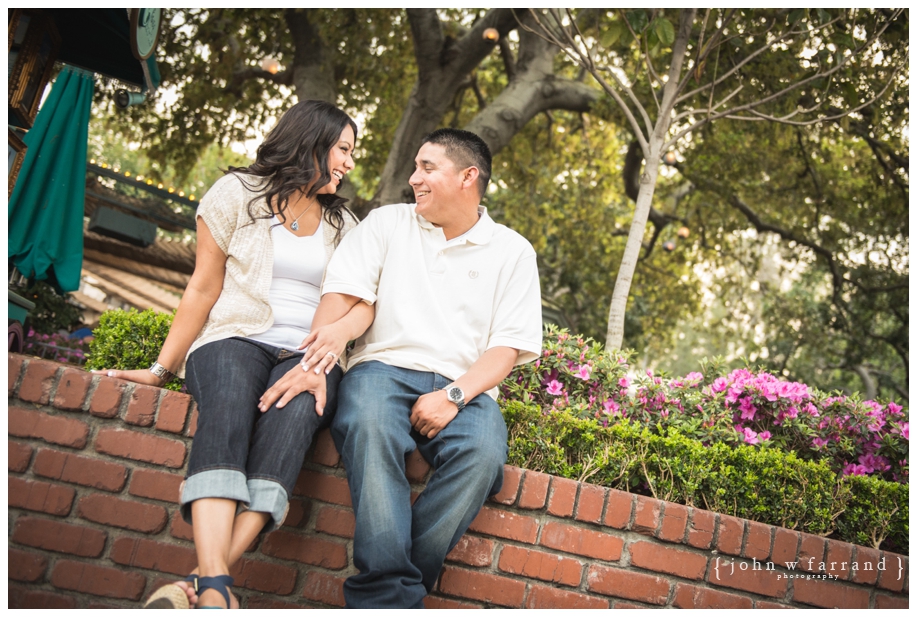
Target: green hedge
x=128, y=340
x=765, y=485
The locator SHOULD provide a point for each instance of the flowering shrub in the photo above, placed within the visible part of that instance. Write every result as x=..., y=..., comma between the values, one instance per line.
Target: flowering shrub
x=757, y=483
x=57, y=347
x=576, y=376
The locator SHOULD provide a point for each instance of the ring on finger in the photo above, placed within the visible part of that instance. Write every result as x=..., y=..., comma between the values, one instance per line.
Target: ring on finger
x=332, y=354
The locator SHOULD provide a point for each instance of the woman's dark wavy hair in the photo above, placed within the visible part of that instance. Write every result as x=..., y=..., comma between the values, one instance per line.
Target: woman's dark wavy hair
x=295, y=155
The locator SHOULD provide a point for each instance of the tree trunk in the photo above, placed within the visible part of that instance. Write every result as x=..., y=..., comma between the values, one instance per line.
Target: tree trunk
x=313, y=71
x=614, y=337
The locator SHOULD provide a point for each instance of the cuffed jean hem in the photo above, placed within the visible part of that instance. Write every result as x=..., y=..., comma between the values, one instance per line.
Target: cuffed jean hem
x=214, y=484
x=270, y=497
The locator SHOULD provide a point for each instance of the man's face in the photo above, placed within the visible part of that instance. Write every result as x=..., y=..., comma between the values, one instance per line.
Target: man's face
x=436, y=181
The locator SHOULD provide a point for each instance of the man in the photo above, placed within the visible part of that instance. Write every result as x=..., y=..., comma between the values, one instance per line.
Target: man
x=457, y=305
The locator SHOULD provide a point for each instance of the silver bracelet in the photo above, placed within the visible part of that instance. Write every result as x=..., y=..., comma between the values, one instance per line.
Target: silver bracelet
x=162, y=372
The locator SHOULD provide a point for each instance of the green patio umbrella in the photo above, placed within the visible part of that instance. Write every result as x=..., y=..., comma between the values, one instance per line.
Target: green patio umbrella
x=46, y=207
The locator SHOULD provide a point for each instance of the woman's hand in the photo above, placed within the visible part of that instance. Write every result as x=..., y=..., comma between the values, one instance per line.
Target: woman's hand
x=296, y=381
x=143, y=376
x=323, y=347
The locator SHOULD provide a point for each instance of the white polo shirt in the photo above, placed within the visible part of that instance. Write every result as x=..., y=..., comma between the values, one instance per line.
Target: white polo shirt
x=439, y=305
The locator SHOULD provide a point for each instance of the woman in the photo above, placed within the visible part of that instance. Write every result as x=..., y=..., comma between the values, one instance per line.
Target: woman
x=264, y=236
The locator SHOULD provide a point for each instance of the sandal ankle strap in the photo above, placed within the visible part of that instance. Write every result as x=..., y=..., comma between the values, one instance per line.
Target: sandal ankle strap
x=220, y=583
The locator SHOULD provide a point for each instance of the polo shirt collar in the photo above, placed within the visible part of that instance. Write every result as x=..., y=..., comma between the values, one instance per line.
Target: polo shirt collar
x=480, y=233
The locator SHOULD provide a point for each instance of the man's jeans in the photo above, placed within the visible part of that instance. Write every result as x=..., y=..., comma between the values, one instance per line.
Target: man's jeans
x=238, y=452
x=399, y=549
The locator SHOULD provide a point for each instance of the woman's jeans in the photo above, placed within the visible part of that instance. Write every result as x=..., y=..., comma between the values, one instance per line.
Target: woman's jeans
x=238, y=452
x=398, y=548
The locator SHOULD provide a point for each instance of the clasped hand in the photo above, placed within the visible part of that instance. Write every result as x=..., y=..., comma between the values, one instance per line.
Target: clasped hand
x=432, y=412
x=323, y=347
x=293, y=383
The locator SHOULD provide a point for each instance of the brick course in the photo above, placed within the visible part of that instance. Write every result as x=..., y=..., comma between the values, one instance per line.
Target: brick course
x=115, y=512
x=40, y=496
x=78, y=469
x=53, y=429
x=94, y=523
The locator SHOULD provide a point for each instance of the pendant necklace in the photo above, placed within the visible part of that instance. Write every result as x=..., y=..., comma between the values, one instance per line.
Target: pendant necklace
x=295, y=225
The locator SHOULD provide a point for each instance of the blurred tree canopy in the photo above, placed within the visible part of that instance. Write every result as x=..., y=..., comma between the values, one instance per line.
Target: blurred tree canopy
x=797, y=245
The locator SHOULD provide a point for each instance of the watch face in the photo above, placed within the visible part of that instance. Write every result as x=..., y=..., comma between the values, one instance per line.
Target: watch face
x=455, y=394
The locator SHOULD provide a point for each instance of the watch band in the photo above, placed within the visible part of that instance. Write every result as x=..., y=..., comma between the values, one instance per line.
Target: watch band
x=162, y=372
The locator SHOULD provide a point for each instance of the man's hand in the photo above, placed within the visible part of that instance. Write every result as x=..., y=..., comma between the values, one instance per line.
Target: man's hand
x=432, y=413
x=293, y=383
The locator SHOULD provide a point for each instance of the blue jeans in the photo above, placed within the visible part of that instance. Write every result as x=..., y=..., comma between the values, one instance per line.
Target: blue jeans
x=399, y=549
x=238, y=452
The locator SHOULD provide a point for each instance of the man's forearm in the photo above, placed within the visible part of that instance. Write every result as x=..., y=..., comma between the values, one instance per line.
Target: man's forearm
x=334, y=306
x=488, y=371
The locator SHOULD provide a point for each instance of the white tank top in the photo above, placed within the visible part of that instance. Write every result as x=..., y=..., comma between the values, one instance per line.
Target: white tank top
x=299, y=263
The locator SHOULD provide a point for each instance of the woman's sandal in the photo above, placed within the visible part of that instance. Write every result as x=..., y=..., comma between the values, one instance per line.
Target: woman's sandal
x=172, y=596
x=220, y=583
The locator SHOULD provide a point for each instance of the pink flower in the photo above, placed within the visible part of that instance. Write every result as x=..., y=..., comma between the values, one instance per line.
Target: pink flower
x=611, y=408
x=747, y=408
x=623, y=382
x=872, y=463
x=555, y=388
x=719, y=384
x=905, y=430
x=853, y=470
x=764, y=435
x=649, y=372
x=818, y=442
x=751, y=437
x=694, y=378
x=894, y=409
x=583, y=372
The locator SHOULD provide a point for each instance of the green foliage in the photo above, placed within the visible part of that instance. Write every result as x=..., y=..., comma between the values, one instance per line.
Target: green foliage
x=128, y=340
x=52, y=311
x=769, y=486
x=877, y=512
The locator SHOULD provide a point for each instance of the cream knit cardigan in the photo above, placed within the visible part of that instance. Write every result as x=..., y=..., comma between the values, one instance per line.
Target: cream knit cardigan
x=242, y=308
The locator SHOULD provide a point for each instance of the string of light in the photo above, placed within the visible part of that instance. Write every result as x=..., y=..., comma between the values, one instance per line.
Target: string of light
x=141, y=178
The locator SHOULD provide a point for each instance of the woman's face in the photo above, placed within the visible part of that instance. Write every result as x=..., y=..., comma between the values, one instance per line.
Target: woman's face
x=340, y=160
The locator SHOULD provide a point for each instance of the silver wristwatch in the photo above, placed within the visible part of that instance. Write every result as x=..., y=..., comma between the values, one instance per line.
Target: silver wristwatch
x=455, y=394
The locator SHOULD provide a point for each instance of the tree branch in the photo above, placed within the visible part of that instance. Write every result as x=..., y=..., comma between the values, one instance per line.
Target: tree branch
x=281, y=78
x=472, y=48
x=427, y=34
x=506, y=54
x=837, y=276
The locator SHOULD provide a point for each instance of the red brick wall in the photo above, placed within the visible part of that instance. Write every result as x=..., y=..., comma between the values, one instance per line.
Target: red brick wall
x=94, y=471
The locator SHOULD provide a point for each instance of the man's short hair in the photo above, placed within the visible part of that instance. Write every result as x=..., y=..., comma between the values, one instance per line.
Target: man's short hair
x=465, y=149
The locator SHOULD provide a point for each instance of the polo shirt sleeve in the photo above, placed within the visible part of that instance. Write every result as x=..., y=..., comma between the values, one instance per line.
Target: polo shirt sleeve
x=219, y=209
x=517, y=314
x=356, y=265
